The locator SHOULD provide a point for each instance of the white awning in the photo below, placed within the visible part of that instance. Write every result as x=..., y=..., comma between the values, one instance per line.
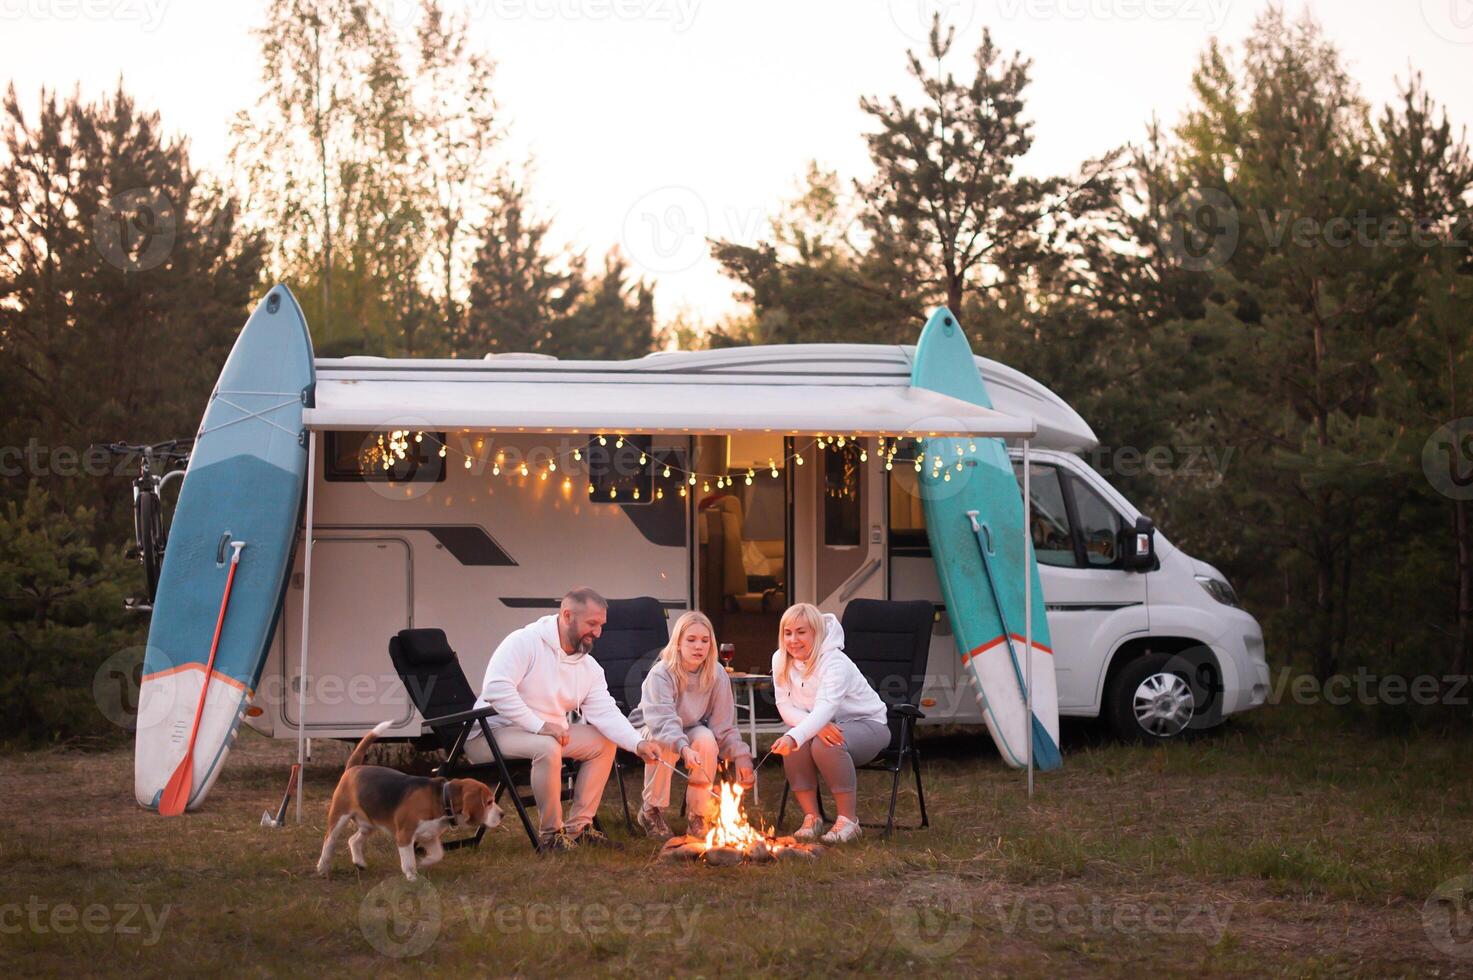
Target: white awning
x=688, y=404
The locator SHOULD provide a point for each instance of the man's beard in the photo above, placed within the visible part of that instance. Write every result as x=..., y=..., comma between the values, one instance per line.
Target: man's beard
x=582, y=646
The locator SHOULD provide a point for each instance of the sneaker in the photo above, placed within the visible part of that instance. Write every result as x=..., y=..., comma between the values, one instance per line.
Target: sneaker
x=591, y=836
x=556, y=842
x=843, y=831
x=810, y=830
x=652, y=821
x=697, y=826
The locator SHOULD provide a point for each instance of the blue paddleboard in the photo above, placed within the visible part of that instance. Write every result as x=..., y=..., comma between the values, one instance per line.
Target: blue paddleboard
x=245, y=482
x=974, y=521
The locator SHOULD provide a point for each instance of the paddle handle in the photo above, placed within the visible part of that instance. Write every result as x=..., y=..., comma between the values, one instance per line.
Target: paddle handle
x=199, y=710
x=176, y=794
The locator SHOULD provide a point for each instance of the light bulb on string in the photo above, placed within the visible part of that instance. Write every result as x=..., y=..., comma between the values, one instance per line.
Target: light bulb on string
x=619, y=443
x=552, y=466
x=442, y=452
x=578, y=454
x=666, y=474
x=495, y=469
x=602, y=441
x=682, y=491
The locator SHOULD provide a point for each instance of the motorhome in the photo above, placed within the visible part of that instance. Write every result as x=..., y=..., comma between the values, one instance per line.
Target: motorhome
x=470, y=495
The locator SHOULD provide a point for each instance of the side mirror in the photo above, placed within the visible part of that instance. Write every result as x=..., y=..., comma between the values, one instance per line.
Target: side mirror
x=1138, y=546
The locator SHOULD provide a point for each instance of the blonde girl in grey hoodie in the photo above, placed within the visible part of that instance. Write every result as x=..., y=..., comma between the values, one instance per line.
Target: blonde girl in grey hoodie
x=686, y=707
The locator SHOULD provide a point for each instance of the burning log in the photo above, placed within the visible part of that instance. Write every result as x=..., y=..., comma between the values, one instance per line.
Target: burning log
x=732, y=840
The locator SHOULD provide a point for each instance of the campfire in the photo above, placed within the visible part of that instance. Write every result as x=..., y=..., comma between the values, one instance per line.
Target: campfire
x=732, y=840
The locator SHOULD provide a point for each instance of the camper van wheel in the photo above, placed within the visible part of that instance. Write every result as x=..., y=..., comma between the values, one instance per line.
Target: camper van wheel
x=1152, y=700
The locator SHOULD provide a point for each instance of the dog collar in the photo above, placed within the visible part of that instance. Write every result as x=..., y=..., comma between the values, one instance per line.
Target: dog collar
x=445, y=800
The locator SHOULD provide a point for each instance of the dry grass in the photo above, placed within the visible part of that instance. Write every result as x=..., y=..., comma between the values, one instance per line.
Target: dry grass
x=1272, y=846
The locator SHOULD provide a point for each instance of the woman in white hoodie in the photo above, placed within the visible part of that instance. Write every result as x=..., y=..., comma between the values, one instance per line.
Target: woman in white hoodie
x=836, y=720
x=686, y=707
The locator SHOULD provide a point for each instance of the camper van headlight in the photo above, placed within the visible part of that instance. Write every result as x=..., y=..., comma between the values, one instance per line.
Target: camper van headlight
x=1219, y=590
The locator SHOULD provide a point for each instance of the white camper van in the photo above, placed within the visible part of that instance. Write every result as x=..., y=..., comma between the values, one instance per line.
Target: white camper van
x=539, y=489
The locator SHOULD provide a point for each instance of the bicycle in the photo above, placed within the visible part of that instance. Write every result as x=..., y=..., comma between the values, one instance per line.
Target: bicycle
x=149, y=535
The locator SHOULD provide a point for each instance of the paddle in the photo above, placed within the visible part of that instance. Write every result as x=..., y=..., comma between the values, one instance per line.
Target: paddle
x=1046, y=753
x=176, y=794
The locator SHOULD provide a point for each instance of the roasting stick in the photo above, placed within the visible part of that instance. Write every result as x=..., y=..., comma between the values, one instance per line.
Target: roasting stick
x=685, y=777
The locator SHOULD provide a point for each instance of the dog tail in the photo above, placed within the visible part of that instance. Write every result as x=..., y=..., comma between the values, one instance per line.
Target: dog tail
x=361, y=749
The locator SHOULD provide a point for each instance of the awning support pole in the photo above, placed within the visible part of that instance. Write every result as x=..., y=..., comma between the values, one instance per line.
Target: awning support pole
x=306, y=610
x=1028, y=607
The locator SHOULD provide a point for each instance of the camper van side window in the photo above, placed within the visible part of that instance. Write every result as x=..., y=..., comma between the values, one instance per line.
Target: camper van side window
x=1099, y=526
x=1053, y=538
x=360, y=457
x=615, y=471
x=842, y=486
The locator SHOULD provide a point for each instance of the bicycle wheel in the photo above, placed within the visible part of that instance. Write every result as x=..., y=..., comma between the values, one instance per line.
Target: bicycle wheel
x=150, y=540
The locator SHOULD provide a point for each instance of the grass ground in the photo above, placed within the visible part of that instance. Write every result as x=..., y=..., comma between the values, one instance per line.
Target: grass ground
x=1272, y=846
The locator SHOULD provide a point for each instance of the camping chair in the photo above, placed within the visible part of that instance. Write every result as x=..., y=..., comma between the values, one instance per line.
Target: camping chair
x=431, y=673
x=890, y=643
x=632, y=638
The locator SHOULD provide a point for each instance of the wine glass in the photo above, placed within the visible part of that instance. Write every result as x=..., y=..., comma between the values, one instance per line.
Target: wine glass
x=727, y=652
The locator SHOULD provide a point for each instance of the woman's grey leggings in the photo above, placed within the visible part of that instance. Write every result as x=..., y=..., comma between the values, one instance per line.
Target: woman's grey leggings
x=863, y=740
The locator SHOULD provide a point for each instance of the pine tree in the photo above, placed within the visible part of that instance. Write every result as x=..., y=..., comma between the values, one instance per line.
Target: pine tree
x=519, y=291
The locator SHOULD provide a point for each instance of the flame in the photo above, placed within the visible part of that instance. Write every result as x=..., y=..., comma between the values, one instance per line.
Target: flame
x=729, y=826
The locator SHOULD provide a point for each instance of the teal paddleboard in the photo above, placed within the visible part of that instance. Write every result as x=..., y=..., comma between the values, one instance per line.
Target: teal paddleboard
x=245, y=482
x=974, y=521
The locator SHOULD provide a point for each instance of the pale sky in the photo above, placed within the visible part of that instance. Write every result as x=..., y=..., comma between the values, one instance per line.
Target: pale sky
x=655, y=123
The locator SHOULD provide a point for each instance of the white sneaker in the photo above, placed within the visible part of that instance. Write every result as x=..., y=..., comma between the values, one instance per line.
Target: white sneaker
x=843, y=831
x=810, y=829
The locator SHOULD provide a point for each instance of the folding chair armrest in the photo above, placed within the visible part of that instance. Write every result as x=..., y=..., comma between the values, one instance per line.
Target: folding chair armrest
x=461, y=716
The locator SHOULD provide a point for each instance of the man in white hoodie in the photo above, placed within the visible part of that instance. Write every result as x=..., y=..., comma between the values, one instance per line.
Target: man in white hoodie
x=538, y=675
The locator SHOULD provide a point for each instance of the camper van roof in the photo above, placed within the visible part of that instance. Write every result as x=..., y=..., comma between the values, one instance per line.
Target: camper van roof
x=796, y=388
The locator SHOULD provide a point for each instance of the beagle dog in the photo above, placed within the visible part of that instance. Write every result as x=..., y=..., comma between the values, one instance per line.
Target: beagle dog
x=413, y=809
